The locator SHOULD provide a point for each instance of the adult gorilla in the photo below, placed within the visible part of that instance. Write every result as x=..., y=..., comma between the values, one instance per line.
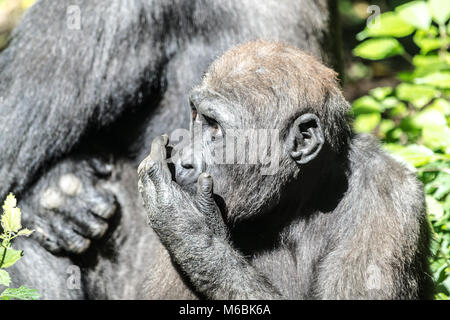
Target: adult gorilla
x=72, y=97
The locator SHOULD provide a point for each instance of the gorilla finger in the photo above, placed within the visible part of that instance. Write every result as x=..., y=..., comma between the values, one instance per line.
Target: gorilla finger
x=74, y=243
x=205, y=192
x=158, y=173
x=158, y=151
x=101, y=168
x=47, y=239
x=88, y=225
x=79, y=215
x=69, y=239
x=98, y=201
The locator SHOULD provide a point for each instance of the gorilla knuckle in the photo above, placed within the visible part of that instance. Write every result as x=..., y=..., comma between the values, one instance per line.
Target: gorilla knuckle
x=52, y=199
x=70, y=184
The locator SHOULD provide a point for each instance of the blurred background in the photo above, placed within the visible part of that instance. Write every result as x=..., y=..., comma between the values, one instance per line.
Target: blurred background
x=397, y=77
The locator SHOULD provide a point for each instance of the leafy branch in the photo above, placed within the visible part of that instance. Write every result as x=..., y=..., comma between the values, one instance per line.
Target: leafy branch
x=12, y=228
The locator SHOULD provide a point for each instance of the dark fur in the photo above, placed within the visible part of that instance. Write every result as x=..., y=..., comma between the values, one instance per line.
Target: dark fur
x=110, y=88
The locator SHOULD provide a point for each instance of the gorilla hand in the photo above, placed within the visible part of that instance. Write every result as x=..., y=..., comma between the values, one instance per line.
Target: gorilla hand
x=67, y=207
x=173, y=213
x=194, y=233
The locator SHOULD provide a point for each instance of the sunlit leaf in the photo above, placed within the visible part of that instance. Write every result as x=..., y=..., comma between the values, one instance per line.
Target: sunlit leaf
x=418, y=95
x=443, y=185
x=434, y=207
x=25, y=232
x=381, y=92
x=427, y=40
x=414, y=154
x=442, y=105
x=367, y=122
x=366, y=104
x=428, y=118
x=426, y=65
x=386, y=125
x=390, y=25
x=398, y=108
x=5, y=279
x=437, y=138
x=437, y=79
x=415, y=13
x=22, y=293
x=376, y=49
x=440, y=10
x=10, y=257
x=11, y=215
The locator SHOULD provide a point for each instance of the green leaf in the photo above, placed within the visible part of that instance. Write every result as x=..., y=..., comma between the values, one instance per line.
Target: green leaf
x=427, y=40
x=386, y=125
x=442, y=105
x=366, y=104
x=381, y=92
x=437, y=138
x=11, y=215
x=437, y=79
x=25, y=232
x=428, y=118
x=390, y=25
x=439, y=274
x=443, y=185
x=426, y=65
x=22, y=293
x=418, y=95
x=415, y=155
x=422, y=61
x=5, y=279
x=11, y=257
x=415, y=13
x=434, y=207
x=367, y=122
x=398, y=108
x=440, y=10
x=376, y=49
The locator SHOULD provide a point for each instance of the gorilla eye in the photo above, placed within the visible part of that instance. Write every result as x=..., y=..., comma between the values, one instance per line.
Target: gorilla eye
x=213, y=125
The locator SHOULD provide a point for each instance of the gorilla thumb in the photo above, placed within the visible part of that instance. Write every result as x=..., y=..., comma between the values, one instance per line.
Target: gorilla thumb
x=205, y=187
x=205, y=198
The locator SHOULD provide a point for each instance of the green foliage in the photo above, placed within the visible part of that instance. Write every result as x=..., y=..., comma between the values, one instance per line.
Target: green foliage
x=413, y=118
x=22, y=293
x=12, y=228
x=375, y=49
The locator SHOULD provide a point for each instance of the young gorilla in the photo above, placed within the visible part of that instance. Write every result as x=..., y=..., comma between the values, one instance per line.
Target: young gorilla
x=339, y=219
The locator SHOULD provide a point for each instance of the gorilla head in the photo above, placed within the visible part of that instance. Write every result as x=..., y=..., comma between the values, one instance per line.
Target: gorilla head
x=263, y=102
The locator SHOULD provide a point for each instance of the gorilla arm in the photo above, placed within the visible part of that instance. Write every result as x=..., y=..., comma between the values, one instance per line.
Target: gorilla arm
x=57, y=80
x=195, y=235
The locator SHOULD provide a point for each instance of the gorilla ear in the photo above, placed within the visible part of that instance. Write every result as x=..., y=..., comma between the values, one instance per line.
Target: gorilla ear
x=305, y=138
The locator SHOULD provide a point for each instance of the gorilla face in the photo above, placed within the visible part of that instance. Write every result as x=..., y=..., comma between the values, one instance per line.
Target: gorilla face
x=235, y=147
x=255, y=126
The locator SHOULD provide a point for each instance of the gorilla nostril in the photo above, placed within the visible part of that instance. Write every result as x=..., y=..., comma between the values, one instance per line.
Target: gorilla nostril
x=187, y=165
